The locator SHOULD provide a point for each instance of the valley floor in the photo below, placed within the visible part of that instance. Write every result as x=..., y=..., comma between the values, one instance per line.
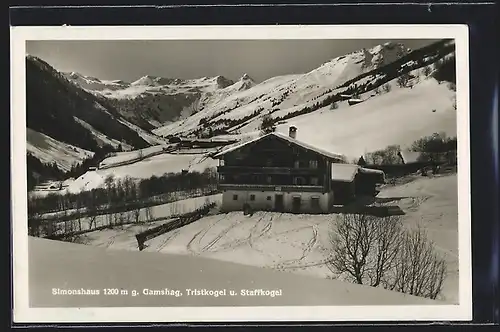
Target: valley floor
x=301, y=243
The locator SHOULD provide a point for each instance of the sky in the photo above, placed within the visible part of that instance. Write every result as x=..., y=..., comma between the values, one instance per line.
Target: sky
x=261, y=59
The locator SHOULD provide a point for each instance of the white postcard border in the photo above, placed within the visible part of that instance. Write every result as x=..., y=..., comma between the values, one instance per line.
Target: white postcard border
x=22, y=313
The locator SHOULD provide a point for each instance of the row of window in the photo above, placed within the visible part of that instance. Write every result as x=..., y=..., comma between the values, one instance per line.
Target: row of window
x=303, y=164
x=298, y=180
x=252, y=197
x=296, y=200
x=297, y=164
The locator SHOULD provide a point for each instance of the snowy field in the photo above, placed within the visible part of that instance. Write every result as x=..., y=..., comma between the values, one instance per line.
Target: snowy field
x=54, y=264
x=152, y=166
x=300, y=243
x=121, y=157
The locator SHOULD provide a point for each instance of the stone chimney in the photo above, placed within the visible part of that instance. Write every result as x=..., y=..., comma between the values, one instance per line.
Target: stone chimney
x=292, y=132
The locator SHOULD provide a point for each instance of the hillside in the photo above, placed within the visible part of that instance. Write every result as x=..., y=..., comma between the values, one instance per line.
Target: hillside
x=153, y=101
x=49, y=150
x=66, y=125
x=53, y=103
x=289, y=96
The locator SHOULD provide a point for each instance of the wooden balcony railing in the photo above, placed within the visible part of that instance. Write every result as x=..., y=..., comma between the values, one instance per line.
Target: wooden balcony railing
x=268, y=170
x=272, y=187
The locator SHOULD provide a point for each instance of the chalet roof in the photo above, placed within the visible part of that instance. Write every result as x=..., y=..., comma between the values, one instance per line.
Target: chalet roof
x=328, y=154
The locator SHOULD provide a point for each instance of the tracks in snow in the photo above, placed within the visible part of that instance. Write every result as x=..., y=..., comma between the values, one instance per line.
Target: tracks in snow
x=296, y=263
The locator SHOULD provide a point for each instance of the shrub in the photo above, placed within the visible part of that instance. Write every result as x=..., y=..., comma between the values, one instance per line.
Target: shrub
x=381, y=252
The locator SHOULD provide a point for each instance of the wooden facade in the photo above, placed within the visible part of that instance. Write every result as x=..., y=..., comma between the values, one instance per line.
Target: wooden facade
x=275, y=173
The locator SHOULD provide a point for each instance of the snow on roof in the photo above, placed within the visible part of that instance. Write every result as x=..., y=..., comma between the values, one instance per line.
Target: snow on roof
x=373, y=171
x=344, y=172
x=410, y=156
x=331, y=155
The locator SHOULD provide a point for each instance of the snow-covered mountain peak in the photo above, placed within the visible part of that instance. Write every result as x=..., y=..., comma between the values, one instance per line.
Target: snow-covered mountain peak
x=146, y=80
x=246, y=77
x=223, y=82
x=244, y=83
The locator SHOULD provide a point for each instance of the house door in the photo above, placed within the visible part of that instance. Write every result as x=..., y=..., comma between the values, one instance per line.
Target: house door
x=296, y=204
x=278, y=203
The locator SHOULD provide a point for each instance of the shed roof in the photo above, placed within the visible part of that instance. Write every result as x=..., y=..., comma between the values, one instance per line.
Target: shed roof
x=347, y=172
x=344, y=172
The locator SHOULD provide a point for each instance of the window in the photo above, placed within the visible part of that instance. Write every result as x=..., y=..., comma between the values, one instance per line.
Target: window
x=297, y=164
x=314, y=181
x=268, y=198
x=298, y=181
x=252, y=197
x=269, y=179
x=313, y=164
x=235, y=197
x=315, y=203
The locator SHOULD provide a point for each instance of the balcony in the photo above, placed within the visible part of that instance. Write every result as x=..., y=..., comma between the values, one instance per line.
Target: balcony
x=272, y=187
x=268, y=170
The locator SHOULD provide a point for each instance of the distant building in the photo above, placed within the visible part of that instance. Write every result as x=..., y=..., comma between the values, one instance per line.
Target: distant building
x=276, y=172
x=354, y=101
x=411, y=157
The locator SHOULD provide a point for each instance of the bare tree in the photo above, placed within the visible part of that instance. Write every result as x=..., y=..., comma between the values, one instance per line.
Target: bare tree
x=66, y=222
x=380, y=252
x=365, y=247
x=149, y=213
x=174, y=208
x=79, y=208
x=92, y=221
x=419, y=270
x=137, y=214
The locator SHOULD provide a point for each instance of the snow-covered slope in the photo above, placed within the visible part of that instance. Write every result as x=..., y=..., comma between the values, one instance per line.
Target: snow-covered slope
x=293, y=242
x=153, y=166
x=93, y=83
x=289, y=96
x=49, y=150
x=160, y=100
x=399, y=117
x=101, y=138
x=54, y=264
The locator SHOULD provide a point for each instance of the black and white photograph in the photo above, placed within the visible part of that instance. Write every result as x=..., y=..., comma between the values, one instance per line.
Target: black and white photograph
x=308, y=173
